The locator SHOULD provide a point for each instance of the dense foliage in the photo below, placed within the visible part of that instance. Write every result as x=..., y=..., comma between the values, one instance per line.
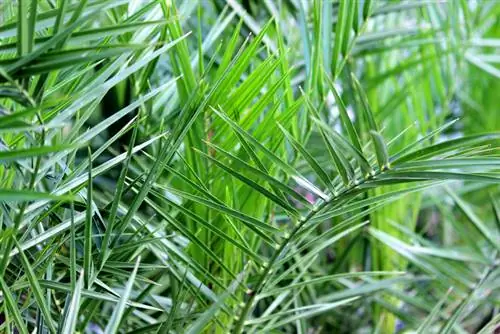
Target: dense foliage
x=251, y=166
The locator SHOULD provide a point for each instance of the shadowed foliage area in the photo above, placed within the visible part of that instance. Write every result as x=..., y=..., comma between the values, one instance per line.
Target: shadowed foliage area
x=244, y=166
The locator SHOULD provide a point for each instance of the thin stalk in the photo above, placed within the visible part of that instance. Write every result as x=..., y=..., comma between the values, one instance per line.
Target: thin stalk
x=267, y=267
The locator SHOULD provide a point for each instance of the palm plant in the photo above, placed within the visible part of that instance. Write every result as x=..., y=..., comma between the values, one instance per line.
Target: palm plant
x=223, y=166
